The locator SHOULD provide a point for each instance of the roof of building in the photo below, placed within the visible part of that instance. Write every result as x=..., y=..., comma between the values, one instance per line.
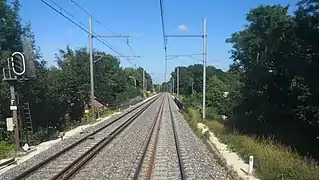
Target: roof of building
x=97, y=104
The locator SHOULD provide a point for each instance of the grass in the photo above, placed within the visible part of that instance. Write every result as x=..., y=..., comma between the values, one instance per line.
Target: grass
x=148, y=94
x=87, y=117
x=6, y=149
x=107, y=112
x=192, y=116
x=271, y=160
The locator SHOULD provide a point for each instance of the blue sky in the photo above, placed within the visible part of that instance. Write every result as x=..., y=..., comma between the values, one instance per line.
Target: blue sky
x=141, y=20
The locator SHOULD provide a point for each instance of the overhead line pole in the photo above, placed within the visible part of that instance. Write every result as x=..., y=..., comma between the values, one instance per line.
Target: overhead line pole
x=171, y=88
x=79, y=26
x=173, y=85
x=204, y=67
x=89, y=14
x=204, y=36
x=143, y=80
x=91, y=36
x=90, y=32
x=91, y=69
x=177, y=88
x=165, y=63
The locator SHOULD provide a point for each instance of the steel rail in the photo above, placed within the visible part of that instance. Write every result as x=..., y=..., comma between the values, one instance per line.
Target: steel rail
x=158, y=123
x=77, y=164
x=152, y=159
x=153, y=150
x=51, y=158
x=181, y=166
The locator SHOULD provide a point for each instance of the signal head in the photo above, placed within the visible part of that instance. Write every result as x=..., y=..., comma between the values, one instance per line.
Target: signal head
x=18, y=63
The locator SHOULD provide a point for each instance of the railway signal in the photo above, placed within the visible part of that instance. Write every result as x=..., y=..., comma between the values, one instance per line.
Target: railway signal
x=18, y=63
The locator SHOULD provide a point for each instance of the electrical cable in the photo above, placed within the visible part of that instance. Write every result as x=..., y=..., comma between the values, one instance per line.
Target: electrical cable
x=83, y=29
x=96, y=20
x=164, y=37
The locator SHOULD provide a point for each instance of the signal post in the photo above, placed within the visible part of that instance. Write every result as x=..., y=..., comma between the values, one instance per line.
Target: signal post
x=15, y=70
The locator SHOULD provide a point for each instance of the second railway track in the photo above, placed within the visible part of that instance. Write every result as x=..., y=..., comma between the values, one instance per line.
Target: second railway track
x=65, y=163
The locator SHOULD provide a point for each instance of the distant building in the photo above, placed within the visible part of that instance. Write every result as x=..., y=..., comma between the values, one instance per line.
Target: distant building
x=97, y=105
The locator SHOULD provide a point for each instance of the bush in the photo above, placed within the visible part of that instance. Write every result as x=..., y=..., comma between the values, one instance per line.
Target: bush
x=149, y=94
x=6, y=149
x=106, y=112
x=192, y=116
x=272, y=160
x=212, y=112
x=41, y=135
x=194, y=100
x=219, y=129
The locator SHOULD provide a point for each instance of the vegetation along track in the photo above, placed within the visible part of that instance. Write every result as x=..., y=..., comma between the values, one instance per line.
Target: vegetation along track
x=161, y=156
x=94, y=142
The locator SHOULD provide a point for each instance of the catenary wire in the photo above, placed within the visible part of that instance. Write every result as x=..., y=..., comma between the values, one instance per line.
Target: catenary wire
x=96, y=20
x=83, y=29
x=164, y=38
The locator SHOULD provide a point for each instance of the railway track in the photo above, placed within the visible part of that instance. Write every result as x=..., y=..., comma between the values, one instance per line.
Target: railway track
x=69, y=160
x=161, y=155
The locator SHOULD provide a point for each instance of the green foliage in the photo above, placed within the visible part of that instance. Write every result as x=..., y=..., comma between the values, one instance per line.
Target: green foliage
x=271, y=84
x=192, y=117
x=106, y=112
x=148, y=94
x=41, y=135
x=218, y=83
x=191, y=78
x=87, y=116
x=192, y=100
x=6, y=149
x=278, y=57
x=271, y=160
x=60, y=94
x=212, y=112
x=215, y=93
x=272, y=89
x=10, y=40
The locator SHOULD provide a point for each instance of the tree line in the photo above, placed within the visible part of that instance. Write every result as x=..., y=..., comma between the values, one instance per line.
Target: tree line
x=272, y=82
x=59, y=94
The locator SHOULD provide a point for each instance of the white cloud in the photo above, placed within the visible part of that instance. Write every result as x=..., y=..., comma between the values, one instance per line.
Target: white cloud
x=183, y=27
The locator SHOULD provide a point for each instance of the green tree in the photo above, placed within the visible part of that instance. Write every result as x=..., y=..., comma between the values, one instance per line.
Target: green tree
x=58, y=95
x=276, y=57
x=215, y=95
x=10, y=41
